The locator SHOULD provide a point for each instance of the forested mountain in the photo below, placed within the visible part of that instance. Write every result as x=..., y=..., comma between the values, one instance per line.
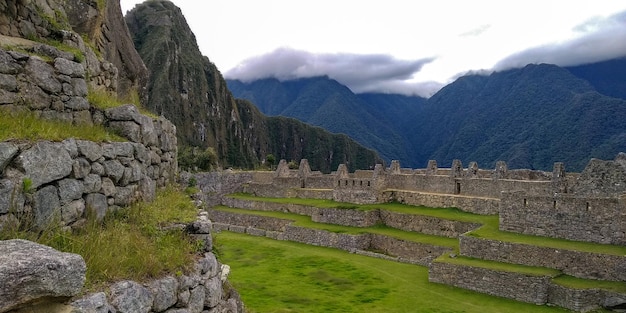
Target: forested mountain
x=374, y=120
x=190, y=91
x=529, y=117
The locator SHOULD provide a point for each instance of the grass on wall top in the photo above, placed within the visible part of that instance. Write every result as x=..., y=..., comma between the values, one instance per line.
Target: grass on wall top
x=28, y=126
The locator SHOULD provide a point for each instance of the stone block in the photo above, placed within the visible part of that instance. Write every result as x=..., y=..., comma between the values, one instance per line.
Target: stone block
x=31, y=272
x=164, y=292
x=91, y=150
x=96, y=204
x=70, y=189
x=45, y=162
x=131, y=297
x=45, y=205
x=7, y=152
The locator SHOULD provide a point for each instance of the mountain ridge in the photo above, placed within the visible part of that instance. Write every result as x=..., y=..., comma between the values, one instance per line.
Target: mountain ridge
x=530, y=117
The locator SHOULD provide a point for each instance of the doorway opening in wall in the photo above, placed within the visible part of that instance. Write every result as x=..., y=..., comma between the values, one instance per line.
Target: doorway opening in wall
x=457, y=188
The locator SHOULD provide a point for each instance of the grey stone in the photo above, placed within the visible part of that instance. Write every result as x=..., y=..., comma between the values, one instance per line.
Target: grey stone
x=8, y=65
x=97, y=168
x=213, y=292
x=70, y=189
x=82, y=117
x=30, y=272
x=208, y=266
x=8, y=82
x=33, y=96
x=72, y=211
x=130, y=297
x=154, y=157
x=80, y=168
x=127, y=129
x=114, y=169
x=77, y=103
x=196, y=299
x=45, y=205
x=45, y=162
x=125, y=196
x=147, y=189
x=177, y=311
x=94, y=303
x=115, y=149
x=70, y=146
x=126, y=112
x=199, y=227
x=108, y=187
x=142, y=154
x=149, y=136
x=91, y=150
x=92, y=183
x=69, y=68
x=11, y=197
x=7, y=97
x=42, y=75
x=96, y=205
x=79, y=87
x=52, y=52
x=7, y=152
x=164, y=292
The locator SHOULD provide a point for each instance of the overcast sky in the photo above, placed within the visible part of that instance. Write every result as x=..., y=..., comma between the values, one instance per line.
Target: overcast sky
x=399, y=46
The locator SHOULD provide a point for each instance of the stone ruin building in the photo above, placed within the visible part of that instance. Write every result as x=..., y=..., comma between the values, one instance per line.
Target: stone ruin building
x=586, y=207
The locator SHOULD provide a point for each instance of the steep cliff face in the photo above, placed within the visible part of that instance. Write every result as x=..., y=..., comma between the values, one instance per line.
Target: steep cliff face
x=189, y=90
x=72, y=22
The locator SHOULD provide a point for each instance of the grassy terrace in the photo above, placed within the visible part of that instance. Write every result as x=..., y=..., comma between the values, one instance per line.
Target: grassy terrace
x=305, y=221
x=27, y=126
x=283, y=276
x=579, y=283
x=444, y=213
x=489, y=230
x=498, y=266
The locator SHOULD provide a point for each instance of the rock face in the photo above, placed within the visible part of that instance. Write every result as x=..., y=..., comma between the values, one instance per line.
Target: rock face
x=189, y=90
x=30, y=272
x=100, y=21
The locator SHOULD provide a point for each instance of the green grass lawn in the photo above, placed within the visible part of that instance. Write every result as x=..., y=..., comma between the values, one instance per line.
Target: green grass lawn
x=281, y=276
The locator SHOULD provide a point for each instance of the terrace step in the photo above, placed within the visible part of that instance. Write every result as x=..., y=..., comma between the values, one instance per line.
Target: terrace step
x=571, y=261
x=362, y=215
x=419, y=251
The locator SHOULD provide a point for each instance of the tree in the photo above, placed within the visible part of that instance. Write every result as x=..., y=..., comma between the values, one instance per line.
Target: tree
x=270, y=159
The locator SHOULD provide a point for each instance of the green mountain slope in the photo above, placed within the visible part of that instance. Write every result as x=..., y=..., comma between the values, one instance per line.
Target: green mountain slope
x=529, y=117
x=189, y=90
x=324, y=102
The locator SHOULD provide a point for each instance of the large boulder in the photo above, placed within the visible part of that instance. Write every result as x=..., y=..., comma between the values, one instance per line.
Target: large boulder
x=31, y=272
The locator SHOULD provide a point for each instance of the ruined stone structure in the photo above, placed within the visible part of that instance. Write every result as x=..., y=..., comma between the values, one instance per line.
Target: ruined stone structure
x=585, y=207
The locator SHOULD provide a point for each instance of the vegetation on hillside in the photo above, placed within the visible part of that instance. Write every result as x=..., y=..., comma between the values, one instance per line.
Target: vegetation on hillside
x=190, y=91
x=25, y=125
x=529, y=117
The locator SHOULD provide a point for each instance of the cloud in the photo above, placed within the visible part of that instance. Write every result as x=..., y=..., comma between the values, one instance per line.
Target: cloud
x=599, y=39
x=360, y=72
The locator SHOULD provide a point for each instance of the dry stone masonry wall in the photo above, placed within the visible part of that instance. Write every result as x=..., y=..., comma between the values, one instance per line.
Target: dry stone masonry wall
x=65, y=179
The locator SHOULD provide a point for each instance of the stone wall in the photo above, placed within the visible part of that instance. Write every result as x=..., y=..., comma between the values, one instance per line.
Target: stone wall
x=66, y=179
x=477, y=205
x=592, y=219
x=518, y=286
x=362, y=218
x=575, y=263
x=206, y=288
x=370, y=244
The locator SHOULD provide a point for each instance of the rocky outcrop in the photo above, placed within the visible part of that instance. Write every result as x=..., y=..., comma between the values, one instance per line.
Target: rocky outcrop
x=32, y=273
x=67, y=21
x=189, y=90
